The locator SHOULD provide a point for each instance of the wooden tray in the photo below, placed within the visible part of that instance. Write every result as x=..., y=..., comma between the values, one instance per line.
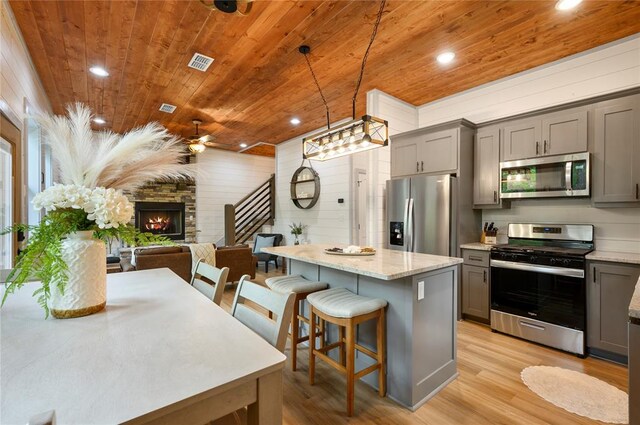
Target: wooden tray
x=359, y=254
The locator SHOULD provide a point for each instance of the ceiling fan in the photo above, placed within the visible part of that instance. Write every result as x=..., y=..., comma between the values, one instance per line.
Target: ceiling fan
x=197, y=143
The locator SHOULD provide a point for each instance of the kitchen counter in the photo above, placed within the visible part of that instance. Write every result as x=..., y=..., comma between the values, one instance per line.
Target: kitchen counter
x=476, y=246
x=634, y=306
x=421, y=316
x=614, y=257
x=386, y=264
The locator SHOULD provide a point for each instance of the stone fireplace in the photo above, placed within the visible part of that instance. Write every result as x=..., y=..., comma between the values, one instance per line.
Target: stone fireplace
x=157, y=201
x=161, y=218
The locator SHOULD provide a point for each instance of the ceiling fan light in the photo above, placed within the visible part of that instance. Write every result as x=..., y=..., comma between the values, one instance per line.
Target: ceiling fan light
x=196, y=147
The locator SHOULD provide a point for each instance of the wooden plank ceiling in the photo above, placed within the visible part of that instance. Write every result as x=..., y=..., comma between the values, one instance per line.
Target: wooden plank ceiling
x=259, y=81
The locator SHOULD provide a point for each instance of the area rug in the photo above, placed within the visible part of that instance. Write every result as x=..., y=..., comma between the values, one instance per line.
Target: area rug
x=578, y=393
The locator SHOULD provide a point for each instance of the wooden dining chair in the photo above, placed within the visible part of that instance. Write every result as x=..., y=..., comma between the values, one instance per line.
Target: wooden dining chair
x=214, y=274
x=281, y=305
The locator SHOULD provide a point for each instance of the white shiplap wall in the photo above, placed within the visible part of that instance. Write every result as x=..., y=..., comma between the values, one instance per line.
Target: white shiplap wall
x=18, y=78
x=19, y=82
x=225, y=178
x=329, y=221
x=606, y=69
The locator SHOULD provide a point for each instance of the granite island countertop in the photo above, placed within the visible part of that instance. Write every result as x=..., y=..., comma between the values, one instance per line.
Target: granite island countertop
x=634, y=306
x=386, y=264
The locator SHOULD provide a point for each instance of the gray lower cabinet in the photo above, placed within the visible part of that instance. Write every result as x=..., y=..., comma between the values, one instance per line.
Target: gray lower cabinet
x=616, y=155
x=475, y=291
x=634, y=373
x=476, y=284
x=486, y=169
x=609, y=290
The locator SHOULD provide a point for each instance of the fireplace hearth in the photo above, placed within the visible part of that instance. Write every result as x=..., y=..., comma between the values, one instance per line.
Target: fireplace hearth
x=161, y=218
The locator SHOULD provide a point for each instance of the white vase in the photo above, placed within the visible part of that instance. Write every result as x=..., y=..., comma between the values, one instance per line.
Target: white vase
x=86, y=291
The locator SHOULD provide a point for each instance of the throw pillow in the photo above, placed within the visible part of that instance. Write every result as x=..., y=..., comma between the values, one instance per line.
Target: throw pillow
x=263, y=242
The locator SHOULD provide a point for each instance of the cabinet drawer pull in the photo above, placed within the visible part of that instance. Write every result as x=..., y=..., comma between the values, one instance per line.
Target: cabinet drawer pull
x=484, y=276
x=472, y=258
x=594, y=275
x=422, y=165
x=417, y=166
x=537, y=148
x=495, y=195
x=637, y=191
x=545, y=147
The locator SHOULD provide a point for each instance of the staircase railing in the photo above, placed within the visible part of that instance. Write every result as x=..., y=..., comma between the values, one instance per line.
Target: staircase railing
x=247, y=216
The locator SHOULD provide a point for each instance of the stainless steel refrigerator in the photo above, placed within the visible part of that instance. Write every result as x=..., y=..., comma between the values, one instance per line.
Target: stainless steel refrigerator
x=421, y=214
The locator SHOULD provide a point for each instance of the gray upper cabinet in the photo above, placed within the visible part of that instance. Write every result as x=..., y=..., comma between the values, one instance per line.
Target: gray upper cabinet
x=438, y=151
x=556, y=133
x=616, y=154
x=434, y=152
x=564, y=132
x=486, y=171
x=610, y=287
x=404, y=157
x=521, y=140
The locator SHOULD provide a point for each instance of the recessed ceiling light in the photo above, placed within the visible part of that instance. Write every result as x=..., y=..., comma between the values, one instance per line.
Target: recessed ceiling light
x=99, y=120
x=295, y=121
x=567, y=4
x=100, y=72
x=243, y=145
x=446, y=57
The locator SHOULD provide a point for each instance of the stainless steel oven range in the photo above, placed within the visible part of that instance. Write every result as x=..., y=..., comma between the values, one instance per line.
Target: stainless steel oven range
x=538, y=284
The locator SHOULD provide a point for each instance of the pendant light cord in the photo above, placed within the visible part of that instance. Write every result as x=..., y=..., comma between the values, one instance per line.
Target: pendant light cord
x=315, y=80
x=366, y=55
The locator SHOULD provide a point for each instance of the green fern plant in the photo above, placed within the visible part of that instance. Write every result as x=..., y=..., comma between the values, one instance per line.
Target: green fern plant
x=42, y=258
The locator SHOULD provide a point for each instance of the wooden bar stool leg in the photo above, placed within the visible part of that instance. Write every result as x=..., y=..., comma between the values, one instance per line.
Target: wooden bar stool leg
x=295, y=332
x=312, y=345
x=343, y=358
x=382, y=372
x=351, y=367
x=322, y=327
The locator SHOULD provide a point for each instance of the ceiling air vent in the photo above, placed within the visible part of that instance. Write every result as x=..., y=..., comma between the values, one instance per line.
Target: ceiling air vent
x=200, y=62
x=165, y=107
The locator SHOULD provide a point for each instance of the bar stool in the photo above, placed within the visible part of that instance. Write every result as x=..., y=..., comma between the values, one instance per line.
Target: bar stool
x=346, y=310
x=301, y=287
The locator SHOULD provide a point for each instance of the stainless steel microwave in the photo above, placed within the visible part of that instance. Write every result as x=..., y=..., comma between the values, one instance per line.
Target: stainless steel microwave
x=552, y=176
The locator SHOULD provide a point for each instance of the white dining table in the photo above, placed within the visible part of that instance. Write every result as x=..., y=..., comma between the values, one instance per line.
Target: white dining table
x=159, y=353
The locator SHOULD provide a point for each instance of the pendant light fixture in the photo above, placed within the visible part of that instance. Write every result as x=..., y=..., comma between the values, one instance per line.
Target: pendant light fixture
x=357, y=135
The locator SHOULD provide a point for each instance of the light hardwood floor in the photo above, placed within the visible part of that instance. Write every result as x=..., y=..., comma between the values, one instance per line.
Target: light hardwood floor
x=488, y=390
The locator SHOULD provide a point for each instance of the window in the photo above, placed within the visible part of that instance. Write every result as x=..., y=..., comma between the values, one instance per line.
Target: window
x=6, y=203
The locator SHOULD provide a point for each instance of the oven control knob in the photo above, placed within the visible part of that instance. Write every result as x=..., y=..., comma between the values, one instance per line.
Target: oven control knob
x=533, y=259
x=566, y=262
x=513, y=257
x=553, y=261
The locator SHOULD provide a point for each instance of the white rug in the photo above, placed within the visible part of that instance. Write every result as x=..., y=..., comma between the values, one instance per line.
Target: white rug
x=578, y=393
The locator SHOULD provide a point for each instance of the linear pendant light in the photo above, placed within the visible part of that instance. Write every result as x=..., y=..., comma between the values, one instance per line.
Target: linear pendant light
x=357, y=135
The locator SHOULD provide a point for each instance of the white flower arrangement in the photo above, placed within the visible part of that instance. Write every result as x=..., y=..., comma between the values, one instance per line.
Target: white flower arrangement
x=109, y=208
x=93, y=168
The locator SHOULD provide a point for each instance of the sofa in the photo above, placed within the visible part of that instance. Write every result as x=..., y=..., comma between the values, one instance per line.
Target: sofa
x=239, y=259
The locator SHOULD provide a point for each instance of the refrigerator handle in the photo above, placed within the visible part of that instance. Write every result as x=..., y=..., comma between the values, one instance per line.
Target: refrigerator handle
x=406, y=223
x=411, y=227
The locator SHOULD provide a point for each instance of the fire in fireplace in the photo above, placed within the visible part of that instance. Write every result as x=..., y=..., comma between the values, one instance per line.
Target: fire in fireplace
x=161, y=218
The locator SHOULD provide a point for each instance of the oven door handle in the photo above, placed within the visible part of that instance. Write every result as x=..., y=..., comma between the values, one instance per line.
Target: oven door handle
x=559, y=271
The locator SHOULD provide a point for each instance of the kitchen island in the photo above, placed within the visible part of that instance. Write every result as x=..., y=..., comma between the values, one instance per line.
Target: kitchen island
x=421, y=316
